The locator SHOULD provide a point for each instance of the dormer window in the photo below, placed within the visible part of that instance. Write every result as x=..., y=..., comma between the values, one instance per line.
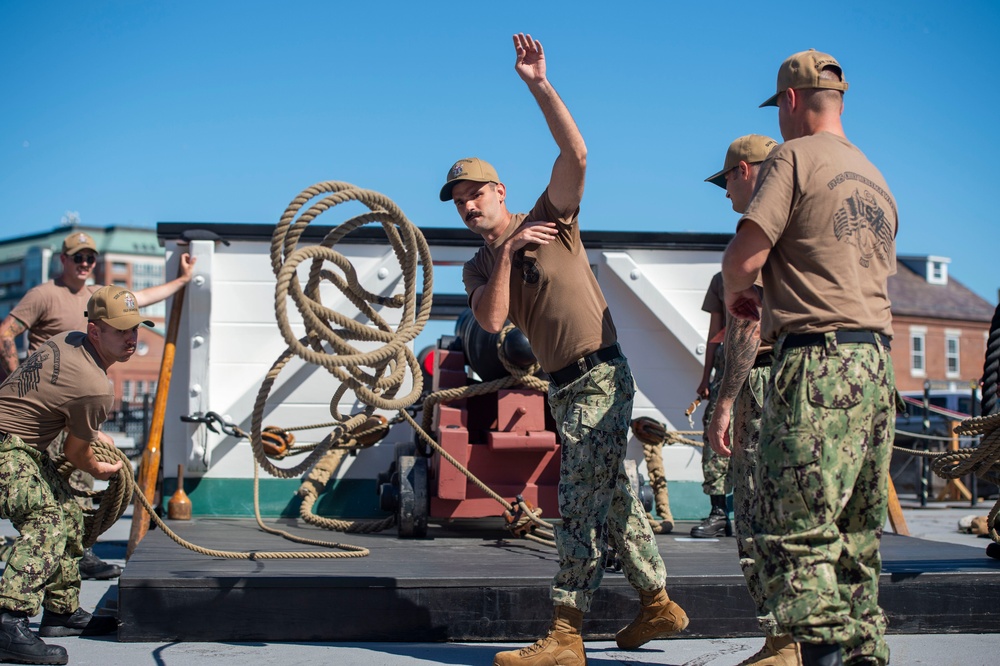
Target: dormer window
x=937, y=270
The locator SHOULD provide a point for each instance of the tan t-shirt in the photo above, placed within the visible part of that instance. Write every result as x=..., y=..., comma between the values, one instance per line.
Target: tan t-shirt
x=714, y=302
x=554, y=296
x=51, y=308
x=61, y=384
x=832, y=223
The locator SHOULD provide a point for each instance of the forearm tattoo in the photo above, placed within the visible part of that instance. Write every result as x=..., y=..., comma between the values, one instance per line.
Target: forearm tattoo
x=9, y=330
x=741, y=344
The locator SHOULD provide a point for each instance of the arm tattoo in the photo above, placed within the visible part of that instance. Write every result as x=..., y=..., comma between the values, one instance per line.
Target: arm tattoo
x=741, y=344
x=9, y=330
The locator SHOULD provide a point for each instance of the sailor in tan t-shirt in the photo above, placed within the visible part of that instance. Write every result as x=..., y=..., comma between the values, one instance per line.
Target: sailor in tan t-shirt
x=534, y=271
x=740, y=400
x=821, y=230
x=58, y=306
x=62, y=386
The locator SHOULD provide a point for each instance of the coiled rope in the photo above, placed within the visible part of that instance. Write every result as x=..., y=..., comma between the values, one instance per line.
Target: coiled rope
x=991, y=367
x=375, y=376
x=327, y=342
x=114, y=500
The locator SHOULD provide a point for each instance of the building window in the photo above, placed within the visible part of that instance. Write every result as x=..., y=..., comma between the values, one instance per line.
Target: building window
x=127, y=389
x=918, y=351
x=145, y=275
x=952, y=348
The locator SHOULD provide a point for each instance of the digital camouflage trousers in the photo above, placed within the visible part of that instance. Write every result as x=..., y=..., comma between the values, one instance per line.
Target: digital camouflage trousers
x=43, y=565
x=744, y=462
x=826, y=441
x=715, y=469
x=78, y=480
x=592, y=415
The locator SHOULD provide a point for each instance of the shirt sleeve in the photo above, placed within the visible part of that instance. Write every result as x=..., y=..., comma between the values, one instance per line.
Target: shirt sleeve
x=714, y=298
x=31, y=307
x=474, y=274
x=776, y=194
x=85, y=415
x=544, y=210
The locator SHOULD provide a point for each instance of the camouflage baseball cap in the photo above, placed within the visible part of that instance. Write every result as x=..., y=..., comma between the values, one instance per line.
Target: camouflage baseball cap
x=77, y=241
x=752, y=148
x=116, y=306
x=469, y=168
x=802, y=70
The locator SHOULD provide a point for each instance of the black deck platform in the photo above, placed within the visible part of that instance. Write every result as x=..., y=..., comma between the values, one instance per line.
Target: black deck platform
x=471, y=585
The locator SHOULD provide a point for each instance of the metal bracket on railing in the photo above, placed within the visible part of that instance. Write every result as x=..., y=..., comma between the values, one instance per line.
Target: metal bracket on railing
x=211, y=419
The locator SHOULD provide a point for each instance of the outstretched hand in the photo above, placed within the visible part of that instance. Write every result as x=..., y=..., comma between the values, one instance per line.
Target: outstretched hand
x=530, y=63
x=187, y=267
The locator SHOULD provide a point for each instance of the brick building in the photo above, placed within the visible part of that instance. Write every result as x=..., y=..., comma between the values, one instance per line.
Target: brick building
x=941, y=327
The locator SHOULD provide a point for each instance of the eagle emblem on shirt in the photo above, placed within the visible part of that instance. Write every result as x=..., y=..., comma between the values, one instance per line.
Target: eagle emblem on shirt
x=862, y=222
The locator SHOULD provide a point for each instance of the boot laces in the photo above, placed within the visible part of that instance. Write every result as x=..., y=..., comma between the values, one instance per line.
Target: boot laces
x=537, y=646
x=20, y=625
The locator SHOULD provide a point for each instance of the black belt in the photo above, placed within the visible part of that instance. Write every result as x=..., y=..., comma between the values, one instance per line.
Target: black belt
x=763, y=360
x=575, y=370
x=843, y=337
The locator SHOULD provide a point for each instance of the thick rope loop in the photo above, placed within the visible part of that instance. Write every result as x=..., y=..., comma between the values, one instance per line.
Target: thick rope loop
x=113, y=501
x=327, y=342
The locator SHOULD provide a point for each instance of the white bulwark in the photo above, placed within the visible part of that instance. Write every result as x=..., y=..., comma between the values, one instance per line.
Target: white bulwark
x=228, y=340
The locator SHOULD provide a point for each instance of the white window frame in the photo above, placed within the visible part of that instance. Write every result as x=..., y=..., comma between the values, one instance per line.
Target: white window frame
x=952, y=335
x=918, y=333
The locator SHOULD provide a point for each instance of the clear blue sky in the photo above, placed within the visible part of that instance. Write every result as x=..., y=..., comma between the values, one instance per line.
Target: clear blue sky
x=140, y=112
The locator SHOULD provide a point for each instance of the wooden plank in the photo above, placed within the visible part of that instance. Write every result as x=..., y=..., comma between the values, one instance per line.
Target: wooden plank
x=896, y=518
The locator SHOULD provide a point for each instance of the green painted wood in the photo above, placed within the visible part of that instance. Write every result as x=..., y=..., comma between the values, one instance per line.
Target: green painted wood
x=348, y=498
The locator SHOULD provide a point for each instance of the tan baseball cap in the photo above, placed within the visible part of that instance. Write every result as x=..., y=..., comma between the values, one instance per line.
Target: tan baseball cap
x=752, y=148
x=802, y=70
x=116, y=306
x=469, y=168
x=77, y=241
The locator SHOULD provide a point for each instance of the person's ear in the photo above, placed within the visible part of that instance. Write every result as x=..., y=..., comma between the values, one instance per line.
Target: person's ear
x=793, y=99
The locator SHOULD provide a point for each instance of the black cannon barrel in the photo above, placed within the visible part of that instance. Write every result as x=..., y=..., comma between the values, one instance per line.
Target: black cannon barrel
x=480, y=348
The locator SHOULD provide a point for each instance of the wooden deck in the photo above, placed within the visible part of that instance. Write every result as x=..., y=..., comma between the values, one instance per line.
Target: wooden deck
x=470, y=584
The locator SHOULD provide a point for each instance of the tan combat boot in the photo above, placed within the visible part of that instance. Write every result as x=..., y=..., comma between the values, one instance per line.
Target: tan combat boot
x=777, y=651
x=562, y=646
x=658, y=617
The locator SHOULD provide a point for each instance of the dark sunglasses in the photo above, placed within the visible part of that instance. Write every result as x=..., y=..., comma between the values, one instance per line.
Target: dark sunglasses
x=84, y=258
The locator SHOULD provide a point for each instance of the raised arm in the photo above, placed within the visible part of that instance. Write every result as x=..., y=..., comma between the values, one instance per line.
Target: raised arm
x=157, y=293
x=566, y=182
x=9, y=330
